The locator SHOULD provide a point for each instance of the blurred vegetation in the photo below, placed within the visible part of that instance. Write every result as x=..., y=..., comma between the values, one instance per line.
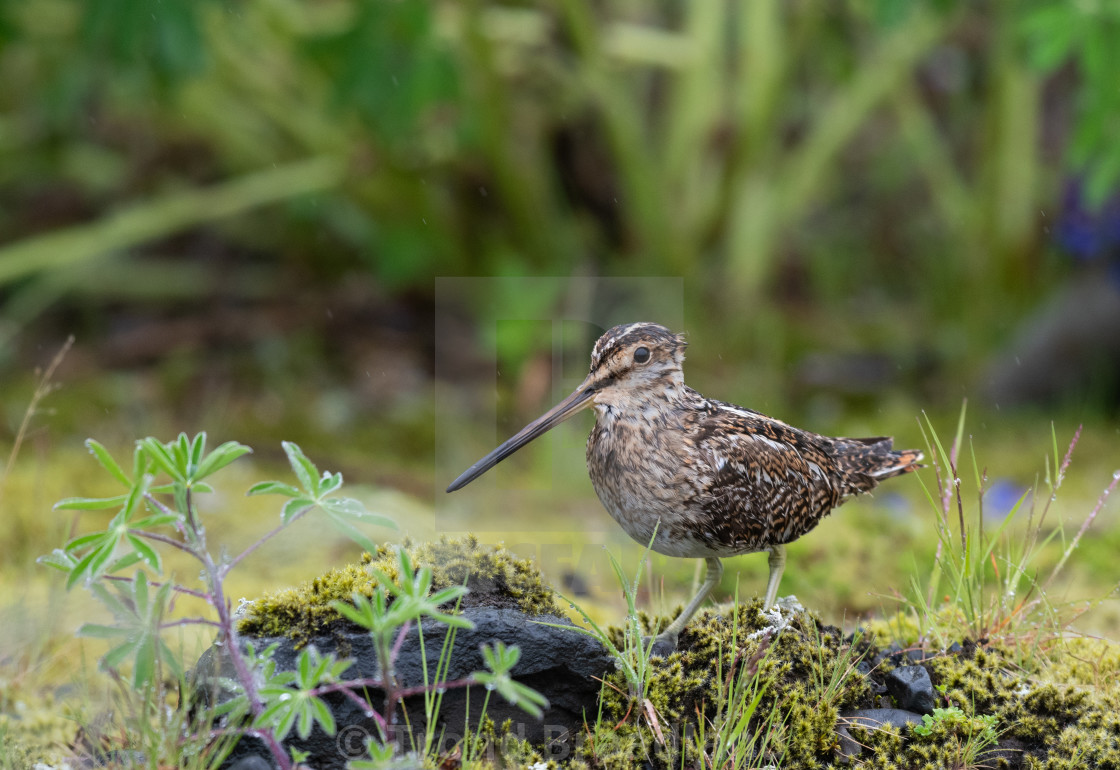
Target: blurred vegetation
x=895, y=163
x=240, y=208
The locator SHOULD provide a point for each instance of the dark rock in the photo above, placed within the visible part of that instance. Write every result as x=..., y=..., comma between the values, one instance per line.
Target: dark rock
x=889, y=654
x=918, y=656
x=954, y=648
x=911, y=688
x=1010, y=750
x=870, y=719
x=251, y=762
x=562, y=665
x=874, y=681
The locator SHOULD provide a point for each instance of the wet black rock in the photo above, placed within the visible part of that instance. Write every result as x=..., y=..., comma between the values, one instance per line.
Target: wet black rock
x=562, y=665
x=911, y=688
x=869, y=719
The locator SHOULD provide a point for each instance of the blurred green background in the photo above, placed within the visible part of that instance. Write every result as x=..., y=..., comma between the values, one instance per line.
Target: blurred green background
x=241, y=211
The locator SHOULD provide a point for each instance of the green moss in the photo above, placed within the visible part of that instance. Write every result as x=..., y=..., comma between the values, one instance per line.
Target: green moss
x=495, y=577
x=1065, y=717
x=808, y=668
x=809, y=676
x=1080, y=660
x=30, y=734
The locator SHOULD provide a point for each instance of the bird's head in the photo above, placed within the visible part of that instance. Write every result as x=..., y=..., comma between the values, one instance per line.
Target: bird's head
x=625, y=361
x=634, y=357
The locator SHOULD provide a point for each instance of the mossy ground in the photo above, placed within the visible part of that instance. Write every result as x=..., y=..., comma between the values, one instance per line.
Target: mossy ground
x=495, y=577
x=809, y=668
x=1066, y=714
x=1061, y=714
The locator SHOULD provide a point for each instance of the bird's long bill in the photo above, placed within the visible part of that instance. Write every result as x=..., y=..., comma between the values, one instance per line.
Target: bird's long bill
x=580, y=399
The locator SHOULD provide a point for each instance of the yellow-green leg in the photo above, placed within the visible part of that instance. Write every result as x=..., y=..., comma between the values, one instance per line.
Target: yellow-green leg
x=777, y=562
x=666, y=641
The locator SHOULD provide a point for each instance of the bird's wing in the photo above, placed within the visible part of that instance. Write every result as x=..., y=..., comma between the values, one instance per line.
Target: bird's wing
x=765, y=479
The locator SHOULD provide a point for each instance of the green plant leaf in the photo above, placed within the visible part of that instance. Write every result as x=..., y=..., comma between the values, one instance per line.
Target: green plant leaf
x=59, y=559
x=169, y=489
x=323, y=716
x=500, y=660
x=272, y=488
x=329, y=483
x=89, y=503
x=341, y=524
x=99, y=631
x=84, y=540
x=124, y=562
x=107, y=462
x=354, y=510
x=296, y=507
x=148, y=554
x=90, y=565
x=157, y=520
x=164, y=459
x=220, y=458
x=304, y=469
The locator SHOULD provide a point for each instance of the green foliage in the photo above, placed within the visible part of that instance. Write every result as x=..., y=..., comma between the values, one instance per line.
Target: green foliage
x=989, y=576
x=343, y=513
x=983, y=727
x=388, y=65
x=490, y=139
x=501, y=660
x=1085, y=35
x=127, y=34
x=293, y=696
x=139, y=618
x=278, y=701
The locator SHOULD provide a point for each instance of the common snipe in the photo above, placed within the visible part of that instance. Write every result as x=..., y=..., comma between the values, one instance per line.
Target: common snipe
x=701, y=478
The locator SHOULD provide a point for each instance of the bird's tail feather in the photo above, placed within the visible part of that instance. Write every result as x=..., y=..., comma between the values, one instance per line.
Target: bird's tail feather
x=876, y=458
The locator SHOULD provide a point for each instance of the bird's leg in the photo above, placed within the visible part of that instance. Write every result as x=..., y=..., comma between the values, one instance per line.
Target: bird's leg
x=666, y=641
x=777, y=562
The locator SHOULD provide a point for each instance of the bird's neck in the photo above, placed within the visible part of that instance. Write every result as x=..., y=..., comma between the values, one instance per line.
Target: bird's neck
x=667, y=395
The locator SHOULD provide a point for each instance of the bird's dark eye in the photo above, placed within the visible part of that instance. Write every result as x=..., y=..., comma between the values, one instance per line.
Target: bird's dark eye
x=641, y=355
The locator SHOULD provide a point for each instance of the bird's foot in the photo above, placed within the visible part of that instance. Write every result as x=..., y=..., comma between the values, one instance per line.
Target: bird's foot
x=661, y=646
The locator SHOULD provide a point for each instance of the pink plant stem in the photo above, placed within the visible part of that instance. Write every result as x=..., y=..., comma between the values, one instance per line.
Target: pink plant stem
x=348, y=688
x=163, y=539
x=1085, y=525
x=158, y=583
x=1068, y=457
x=263, y=539
x=227, y=635
x=420, y=689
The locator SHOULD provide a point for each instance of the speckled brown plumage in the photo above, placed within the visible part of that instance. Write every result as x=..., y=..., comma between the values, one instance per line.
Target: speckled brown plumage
x=712, y=478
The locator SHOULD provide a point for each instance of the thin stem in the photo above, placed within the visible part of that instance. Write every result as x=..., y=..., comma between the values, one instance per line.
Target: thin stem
x=190, y=622
x=396, y=651
x=42, y=389
x=162, y=508
x=348, y=688
x=157, y=584
x=263, y=539
x=214, y=577
x=165, y=540
x=1085, y=526
x=420, y=689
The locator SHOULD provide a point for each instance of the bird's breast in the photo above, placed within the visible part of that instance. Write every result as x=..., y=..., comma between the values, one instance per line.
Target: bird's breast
x=640, y=468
